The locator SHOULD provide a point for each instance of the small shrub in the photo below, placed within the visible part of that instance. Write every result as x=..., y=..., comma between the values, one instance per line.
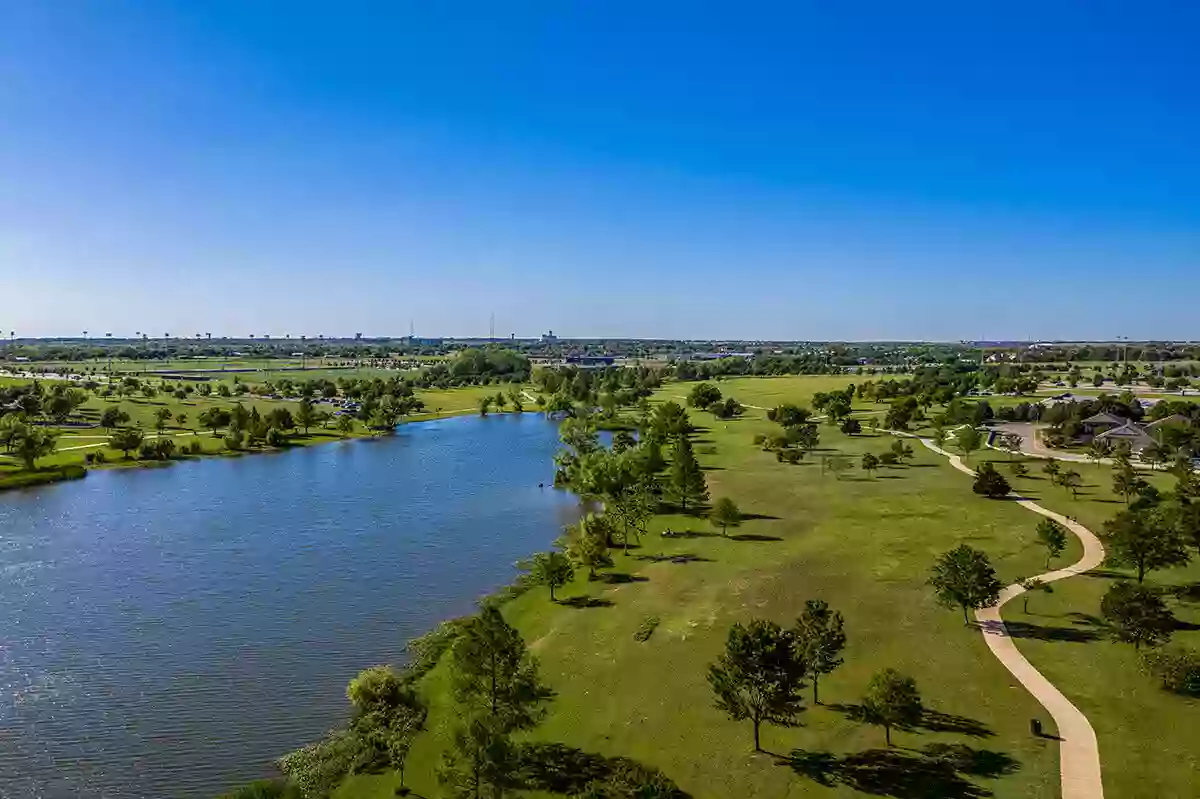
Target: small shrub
x=646, y=629
x=791, y=456
x=990, y=483
x=759, y=439
x=1177, y=668
x=889, y=458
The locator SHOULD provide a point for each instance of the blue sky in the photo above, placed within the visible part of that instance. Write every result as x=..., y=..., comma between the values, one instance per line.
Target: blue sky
x=794, y=170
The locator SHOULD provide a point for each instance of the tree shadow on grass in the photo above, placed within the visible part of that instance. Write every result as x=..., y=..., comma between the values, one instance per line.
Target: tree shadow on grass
x=759, y=516
x=1022, y=629
x=1106, y=574
x=754, y=537
x=682, y=557
x=1188, y=592
x=585, y=602
x=621, y=578
x=935, y=772
x=561, y=769
x=931, y=721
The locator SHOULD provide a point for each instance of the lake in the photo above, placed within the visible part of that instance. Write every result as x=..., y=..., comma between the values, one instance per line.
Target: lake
x=170, y=632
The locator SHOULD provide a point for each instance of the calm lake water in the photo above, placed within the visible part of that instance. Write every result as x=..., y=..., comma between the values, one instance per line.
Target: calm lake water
x=168, y=633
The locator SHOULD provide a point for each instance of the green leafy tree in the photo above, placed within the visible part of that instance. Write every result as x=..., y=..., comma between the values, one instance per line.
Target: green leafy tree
x=902, y=450
x=968, y=439
x=1030, y=585
x=1146, y=539
x=126, y=439
x=725, y=514
x=345, y=424
x=759, y=677
x=989, y=482
x=1052, y=535
x=686, y=487
x=162, y=417
x=789, y=415
x=551, y=569
x=851, y=427
x=1137, y=615
x=214, y=419
x=964, y=577
x=589, y=543
x=820, y=638
x=1125, y=481
x=306, y=415
x=869, y=463
x=703, y=395
x=35, y=442
x=497, y=692
x=892, y=700
x=113, y=417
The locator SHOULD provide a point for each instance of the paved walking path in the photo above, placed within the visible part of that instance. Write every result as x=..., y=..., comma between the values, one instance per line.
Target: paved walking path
x=1079, y=755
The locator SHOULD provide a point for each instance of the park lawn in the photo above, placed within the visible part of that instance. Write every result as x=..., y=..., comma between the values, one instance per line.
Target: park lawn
x=1147, y=736
x=863, y=544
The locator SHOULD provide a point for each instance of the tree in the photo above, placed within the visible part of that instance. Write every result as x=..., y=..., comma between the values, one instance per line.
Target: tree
x=1052, y=535
x=126, y=439
x=214, y=418
x=968, y=438
x=901, y=450
x=759, y=676
x=497, y=691
x=989, y=482
x=789, y=415
x=485, y=405
x=892, y=700
x=1051, y=470
x=820, y=639
x=869, y=463
x=623, y=440
x=345, y=424
x=181, y=418
x=1137, y=615
x=806, y=435
x=725, y=514
x=686, y=486
x=1125, y=481
x=162, y=417
x=388, y=714
x=1098, y=449
x=1070, y=480
x=704, y=395
x=1030, y=585
x=306, y=416
x=35, y=442
x=851, y=427
x=838, y=464
x=1146, y=539
x=1018, y=469
x=964, y=577
x=632, y=507
x=113, y=417
x=551, y=569
x=589, y=547
x=1010, y=443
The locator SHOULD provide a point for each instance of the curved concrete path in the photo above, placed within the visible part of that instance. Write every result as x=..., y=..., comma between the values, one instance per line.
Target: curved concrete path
x=1078, y=753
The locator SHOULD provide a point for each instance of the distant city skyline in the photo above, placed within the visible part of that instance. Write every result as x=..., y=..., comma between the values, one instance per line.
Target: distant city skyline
x=787, y=172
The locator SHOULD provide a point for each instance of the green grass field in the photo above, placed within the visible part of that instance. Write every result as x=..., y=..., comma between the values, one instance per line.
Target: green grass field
x=863, y=544
x=1146, y=735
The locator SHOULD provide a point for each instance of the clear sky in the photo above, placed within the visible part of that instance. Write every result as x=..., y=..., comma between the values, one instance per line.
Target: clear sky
x=850, y=170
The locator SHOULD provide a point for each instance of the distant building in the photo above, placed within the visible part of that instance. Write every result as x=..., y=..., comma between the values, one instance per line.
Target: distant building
x=549, y=338
x=1131, y=433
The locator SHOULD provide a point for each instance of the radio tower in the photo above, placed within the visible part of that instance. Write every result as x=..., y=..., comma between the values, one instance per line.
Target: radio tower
x=492, y=327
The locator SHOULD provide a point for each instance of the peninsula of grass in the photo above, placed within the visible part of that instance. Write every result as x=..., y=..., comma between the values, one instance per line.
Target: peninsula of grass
x=863, y=544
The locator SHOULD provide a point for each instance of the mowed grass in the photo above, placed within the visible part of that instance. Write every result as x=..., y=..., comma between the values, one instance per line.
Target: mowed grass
x=863, y=544
x=1148, y=737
